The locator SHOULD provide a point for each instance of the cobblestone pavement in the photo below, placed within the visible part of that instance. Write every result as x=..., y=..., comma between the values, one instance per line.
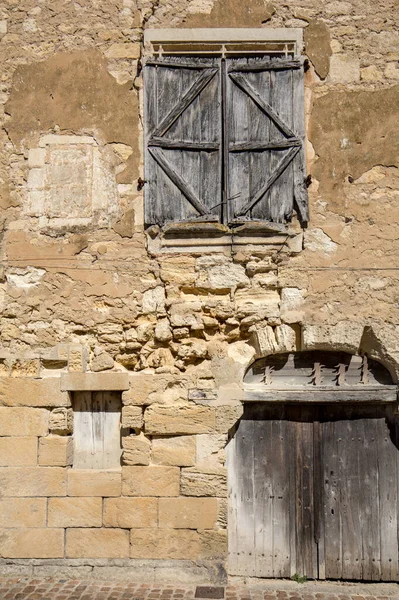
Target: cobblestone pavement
x=21, y=588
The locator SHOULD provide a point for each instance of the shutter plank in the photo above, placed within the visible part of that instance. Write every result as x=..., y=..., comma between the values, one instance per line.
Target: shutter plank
x=299, y=164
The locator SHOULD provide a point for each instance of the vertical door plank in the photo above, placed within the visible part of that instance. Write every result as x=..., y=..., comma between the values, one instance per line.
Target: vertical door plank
x=299, y=163
x=151, y=120
x=112, y=448
x=233, y=516
x=210, y=176
x=388, y=496
x=279, y=468
x=82, y=430
x=330, y=456
x=263, y=497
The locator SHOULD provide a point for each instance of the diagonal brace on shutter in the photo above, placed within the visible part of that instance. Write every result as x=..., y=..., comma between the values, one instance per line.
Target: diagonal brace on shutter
x=187, y=99
x=246, y=87
x=183, y=186
x=279, y=170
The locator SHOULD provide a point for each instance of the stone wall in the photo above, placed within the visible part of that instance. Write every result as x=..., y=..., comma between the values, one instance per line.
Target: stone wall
x=83, y=288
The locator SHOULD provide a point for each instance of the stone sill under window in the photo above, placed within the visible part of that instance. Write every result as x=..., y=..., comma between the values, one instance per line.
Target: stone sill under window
x=200, y=236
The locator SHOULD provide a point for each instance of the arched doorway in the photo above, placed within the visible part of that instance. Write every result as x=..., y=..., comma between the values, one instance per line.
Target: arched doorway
x=313, y=470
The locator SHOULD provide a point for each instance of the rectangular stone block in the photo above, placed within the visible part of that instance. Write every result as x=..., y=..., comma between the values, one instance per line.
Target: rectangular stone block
x=136, y=450
x=18, y=451
x=188, y=513
x=32, y=543
x=178, y=544
x=75, y=512
x=131, y=512
x=32, y=392
x=92, y=482
x=93, y=382
x=194, y=483
x=23, y=421
x=56, y=451
x=132, y=417
x=143, y=386
x=23, y=512
x=150, y=481
x=176, y=451
x=97, y=543
x=32, y=481
x=182, y=419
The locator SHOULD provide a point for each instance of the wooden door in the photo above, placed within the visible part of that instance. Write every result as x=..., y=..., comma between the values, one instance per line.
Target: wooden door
x=313, y=491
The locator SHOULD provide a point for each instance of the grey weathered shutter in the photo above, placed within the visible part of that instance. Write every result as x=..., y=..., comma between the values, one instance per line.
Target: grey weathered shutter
x=265, y=129
x=182, y=130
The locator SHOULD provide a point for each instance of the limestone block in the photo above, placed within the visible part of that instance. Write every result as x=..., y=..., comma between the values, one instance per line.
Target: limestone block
x=92, y=382
x=180, y=544
x=211, y=450
x=318, y=241
x=194, y=483
x=102, y=362
x=392, y=71
x=23, y=512
x=163, y=332
x=136, y=450
x=227, y=416
x=224, y=275
x=123, y=50
x=132, y=417
x=56, y=451
x=61, y=421
x=188, y=513
x=93, y=482
x=344, y=336
x=192, y=349
x=130, y=512
x=178, y=270
x=18, y=451
x=23, y=421
x=344, y=68
x=177, y=544
x=142, y=385
x=97, y=543
x=75, y=512
x=371, y=73
x=179, y=419
x=150, y=481
x=32, y=392
x=186, y=314
x=32, y=543
x=32, y=481
x=36, y=157
x=176, y=451
x=258, y=302
x=154, y=300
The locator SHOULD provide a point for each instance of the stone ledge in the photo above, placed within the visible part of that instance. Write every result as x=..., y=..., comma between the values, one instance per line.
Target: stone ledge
x=94, y=382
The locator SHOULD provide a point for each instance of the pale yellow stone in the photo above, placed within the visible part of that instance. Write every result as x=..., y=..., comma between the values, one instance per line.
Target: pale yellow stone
x=344, y=68
x=25, y=368
x=23, y=421
x=75, y=512
x=142, y=385
x=227, y=416
x=32, y=543
x=56, y=451
x=132, y=417
x=97, y=543
x=93, y=482
x=178, y=544
x=136, y=450
x=75, y=360
x=130, y=512
x=23, y=512
x=370, y=73
x=61, y=421
x=176, y=451
x=150, y=481
x=18, y=451
x=188, y=513
x=32, y=392
x=128, y=50
x=32, y=481
x=194, y=483
x=179, y=419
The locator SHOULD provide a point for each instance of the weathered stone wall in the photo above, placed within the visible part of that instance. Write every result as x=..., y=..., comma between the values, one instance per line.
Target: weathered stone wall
x=83, y=290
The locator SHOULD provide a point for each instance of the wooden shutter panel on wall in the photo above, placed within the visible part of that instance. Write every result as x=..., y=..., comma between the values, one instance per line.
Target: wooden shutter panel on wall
x=265, y=131
x=182, y=130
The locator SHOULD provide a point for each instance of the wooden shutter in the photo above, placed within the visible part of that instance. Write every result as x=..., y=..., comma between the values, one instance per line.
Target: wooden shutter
x=182, y=129
x=265, y=136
